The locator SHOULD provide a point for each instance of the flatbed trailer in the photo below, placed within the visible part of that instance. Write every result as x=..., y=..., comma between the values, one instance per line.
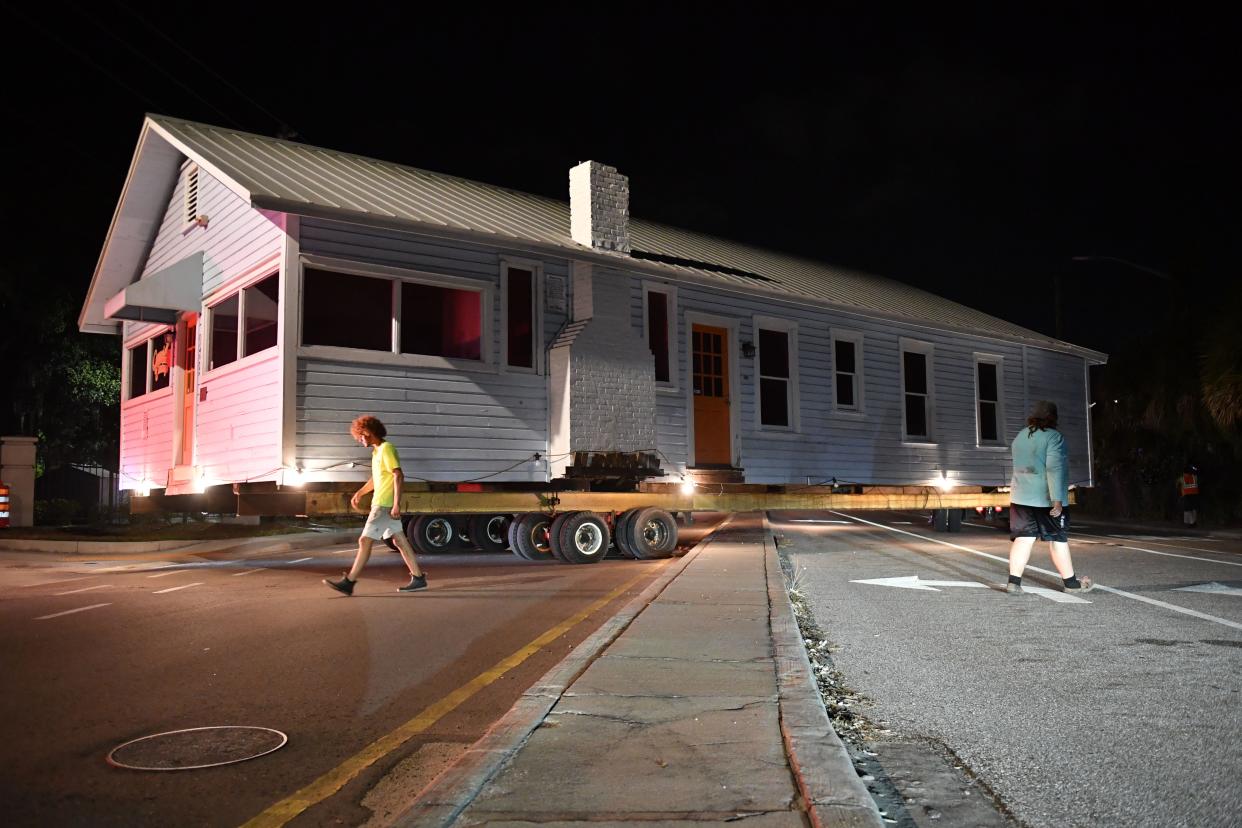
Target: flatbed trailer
x=574, y=521
x=577, y=526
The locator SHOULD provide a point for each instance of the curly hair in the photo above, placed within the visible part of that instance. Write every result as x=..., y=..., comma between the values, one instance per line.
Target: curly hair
x=367, y=422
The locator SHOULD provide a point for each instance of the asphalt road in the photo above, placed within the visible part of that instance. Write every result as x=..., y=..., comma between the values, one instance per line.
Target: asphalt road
x=96, y=652
x=1122, y=708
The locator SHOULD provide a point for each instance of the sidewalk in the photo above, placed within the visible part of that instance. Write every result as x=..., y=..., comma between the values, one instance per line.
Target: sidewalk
x=694, y=705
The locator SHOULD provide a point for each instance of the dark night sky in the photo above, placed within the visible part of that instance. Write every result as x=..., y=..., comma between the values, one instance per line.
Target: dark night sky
x=971, y=157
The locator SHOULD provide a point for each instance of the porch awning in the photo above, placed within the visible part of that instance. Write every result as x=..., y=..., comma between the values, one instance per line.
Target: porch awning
x=160, y=296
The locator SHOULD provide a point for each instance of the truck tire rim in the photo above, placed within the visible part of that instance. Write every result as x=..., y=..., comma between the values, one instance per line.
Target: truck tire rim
x=495, y=529
x=540, y=540
x=588, y=539
x=654, y=534
x=439, y=533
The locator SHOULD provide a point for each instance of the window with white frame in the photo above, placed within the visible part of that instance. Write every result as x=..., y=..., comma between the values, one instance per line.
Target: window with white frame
x=150, y=364
x=847, y=363
x=777, y=373
x=520, y=300
x=436, y=317
x=989, y=410
x=917, y=390
x=660, y=330
x=244, y=323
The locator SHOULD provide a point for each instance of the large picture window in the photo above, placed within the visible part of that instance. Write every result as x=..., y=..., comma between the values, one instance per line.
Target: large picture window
x=394, y=315
x=245, y=323
x=916, y=382
x=441, y=321
x=346, y=310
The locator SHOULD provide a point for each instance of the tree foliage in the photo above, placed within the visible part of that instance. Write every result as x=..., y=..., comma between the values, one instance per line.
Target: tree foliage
x=62, y=386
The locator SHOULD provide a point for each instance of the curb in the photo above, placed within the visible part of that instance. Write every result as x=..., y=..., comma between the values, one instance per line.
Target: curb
x=832, y=791
x=450, y=793
x=268, y=543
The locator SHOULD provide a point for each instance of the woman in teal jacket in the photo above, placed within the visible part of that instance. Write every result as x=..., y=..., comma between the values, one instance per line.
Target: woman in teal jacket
x=1038, y=494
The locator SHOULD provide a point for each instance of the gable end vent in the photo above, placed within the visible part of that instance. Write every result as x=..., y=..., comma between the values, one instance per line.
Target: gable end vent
x=191, y=195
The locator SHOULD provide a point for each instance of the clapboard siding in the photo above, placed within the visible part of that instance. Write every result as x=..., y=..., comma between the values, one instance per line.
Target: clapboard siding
x=448, y=425
x=1059, y=377
x=146, y=440
x=237, y=429
x=237, y=237
x=238, y=424
x=867, y=447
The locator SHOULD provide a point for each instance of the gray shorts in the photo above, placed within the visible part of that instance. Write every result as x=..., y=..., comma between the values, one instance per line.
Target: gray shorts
x=381, y=524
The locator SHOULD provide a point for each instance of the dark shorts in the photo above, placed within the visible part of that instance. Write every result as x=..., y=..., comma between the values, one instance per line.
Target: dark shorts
x=1036, y=522
x=1190, y=503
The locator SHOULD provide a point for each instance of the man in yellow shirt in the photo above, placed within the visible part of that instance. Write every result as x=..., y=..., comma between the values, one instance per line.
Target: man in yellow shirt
x=384, y=520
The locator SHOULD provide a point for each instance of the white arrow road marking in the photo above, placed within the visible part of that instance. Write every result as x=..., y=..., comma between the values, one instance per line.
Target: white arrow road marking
x=71, y=612
x=1185, y=611
x=913, y=582
x=1213, y=587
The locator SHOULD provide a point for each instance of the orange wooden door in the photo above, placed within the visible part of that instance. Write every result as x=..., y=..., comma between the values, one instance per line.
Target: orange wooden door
x=710, y=370
x=187, y=357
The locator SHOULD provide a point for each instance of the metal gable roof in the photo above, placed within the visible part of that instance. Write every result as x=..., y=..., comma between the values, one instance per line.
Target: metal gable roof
x=282, y=175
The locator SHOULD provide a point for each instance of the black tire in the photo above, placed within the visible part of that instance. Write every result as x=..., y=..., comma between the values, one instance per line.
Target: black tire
x=554, y=534
x=955, y=520
x=652, y=533
x=490, y=532
x=528, y=537
x=431, y=534
x=621, y=532
x=940, y=520
x=583, y=538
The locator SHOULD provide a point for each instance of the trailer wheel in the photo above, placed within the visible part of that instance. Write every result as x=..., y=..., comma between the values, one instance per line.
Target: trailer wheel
x=583, y=538
x=554, y=534
x=955, y=520
x=652, y=533
x=940, y=520
x=490, y=532
x=621, y=532
x=528, y=536
x=432, y=533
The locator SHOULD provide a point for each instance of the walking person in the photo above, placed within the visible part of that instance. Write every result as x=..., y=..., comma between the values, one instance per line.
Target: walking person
x=1037, y=499
x=384, y=520
x=1188, y=487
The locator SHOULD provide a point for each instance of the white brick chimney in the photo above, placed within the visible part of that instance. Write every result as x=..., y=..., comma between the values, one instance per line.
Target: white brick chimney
x=599, y=207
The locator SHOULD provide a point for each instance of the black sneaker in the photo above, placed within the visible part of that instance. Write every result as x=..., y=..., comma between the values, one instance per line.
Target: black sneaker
x=416, y=583
x=1085, y=584
x=343, y=586
x=1014, y=589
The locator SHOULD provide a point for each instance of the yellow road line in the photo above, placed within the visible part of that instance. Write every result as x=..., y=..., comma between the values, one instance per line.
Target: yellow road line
x=337, y=778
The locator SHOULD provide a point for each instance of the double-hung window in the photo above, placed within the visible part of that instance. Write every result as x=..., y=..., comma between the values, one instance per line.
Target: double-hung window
x=847, y=364
x=403, y=314
x=660, y=330
x=244, y=323
x=519, y=295
x=918, y=391
x=777, y=375
x=989, y=373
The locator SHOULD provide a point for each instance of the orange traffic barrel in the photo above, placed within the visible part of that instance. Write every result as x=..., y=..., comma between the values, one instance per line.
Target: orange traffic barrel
x=4, y=506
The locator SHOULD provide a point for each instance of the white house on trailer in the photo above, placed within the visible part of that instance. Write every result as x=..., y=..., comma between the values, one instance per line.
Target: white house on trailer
x=268, y=292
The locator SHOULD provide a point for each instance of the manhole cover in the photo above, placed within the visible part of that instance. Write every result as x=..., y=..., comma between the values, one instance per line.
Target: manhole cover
x=197, y=747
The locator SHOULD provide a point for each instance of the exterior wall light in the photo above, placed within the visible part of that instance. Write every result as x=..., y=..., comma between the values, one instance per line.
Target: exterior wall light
x=748, y=350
